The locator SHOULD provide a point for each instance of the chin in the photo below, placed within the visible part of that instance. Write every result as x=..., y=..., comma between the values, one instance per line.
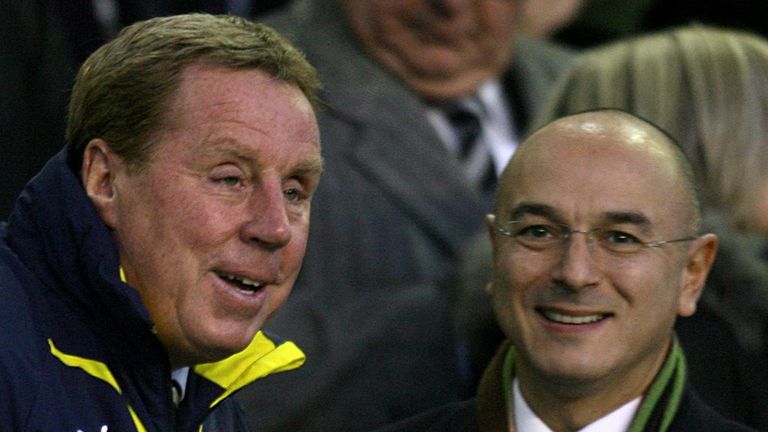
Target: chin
x=576, y=375
x=568, y=368
x=211, y=354
x=222, y=346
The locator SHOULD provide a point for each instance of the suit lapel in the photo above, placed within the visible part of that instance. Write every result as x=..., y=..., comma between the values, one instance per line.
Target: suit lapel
x=492, y=412
x=393, y=143
x=431, y=188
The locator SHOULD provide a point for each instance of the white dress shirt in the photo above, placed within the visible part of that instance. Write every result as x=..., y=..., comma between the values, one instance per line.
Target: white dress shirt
x=527, y=421
x=499, y=136
x=180, y=377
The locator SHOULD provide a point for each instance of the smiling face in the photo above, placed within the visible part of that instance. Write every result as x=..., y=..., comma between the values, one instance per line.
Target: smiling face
x=583, y=318
x=212, y=231
x=441, y=49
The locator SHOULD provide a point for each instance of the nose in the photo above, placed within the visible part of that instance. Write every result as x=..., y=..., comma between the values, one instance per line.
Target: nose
x=577, y=268
x=267, y=222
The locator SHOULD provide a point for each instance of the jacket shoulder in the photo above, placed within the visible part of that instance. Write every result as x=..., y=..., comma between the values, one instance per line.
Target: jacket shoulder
x=543, y=55
x=453, y=417
x=17, y=305
x=22, y=353
x=695, y=415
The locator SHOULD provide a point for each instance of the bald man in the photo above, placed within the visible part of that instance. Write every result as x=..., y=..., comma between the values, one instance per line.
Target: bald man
x=597, y=250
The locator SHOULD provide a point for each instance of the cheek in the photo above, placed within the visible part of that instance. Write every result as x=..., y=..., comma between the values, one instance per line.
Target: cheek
x=292, y=257
x=376, y=15
x=167, y=207
x=512, y=286
x=199, y=221
x=525, y=271
x=654, y=286
x=392, y=28
x=498, y=19
x=293, y=254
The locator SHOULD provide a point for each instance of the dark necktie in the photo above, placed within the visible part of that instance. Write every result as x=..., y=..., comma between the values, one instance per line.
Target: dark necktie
x=466, y=125
x=471, y=152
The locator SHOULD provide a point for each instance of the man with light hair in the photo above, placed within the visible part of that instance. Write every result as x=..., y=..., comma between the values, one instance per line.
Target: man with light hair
x=140, y=264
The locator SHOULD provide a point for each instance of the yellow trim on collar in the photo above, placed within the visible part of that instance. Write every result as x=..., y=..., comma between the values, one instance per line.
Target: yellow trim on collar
x=261, y=358
x=97, y=370
x=93, y=368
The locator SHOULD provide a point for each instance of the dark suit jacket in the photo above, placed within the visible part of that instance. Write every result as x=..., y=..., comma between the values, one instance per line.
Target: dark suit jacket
x=488, y=413
x=388, y=220
x=694, y=416
x=725, y=338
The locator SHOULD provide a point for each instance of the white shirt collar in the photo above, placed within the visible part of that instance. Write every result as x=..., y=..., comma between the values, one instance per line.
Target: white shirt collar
x=180, y=375
x=500, y=134
x=527, y=421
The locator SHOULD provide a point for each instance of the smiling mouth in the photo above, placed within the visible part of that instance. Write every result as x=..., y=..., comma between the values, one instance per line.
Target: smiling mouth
x=561, y=318
x=241, y=283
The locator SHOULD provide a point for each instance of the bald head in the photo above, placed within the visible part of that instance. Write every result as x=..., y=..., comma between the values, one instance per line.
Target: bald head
x=591, y=315
x=628, y=145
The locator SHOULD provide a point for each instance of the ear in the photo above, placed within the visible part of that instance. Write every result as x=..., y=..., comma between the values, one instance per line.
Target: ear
x=701, y=254
x=490, y=288
x=490, y=224
x=98, y=174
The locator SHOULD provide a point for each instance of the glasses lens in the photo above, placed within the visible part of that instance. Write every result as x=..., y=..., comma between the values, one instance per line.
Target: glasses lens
x=617, y=241
x=536, y=236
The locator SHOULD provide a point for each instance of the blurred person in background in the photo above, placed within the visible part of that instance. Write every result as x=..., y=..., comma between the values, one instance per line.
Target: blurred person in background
x=542, y=19
x=602, y=21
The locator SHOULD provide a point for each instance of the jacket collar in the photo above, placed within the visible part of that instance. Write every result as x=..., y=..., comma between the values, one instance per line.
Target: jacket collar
x=656, y=413
x=264, y=356
x=211, y=383
x=57, y=233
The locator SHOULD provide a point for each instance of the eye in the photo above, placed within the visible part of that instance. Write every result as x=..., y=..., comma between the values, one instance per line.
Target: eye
x=619, y=238
x=294, y=191
x=230, y=181
x=228, y=175
x=296, y=200
x=292, y=194
x=538, y=232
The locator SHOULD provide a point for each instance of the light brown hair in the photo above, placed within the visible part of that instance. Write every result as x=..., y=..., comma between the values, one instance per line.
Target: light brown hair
x=123, y=91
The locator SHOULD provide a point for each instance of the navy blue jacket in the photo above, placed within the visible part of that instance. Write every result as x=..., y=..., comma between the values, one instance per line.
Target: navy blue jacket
x=77, y=351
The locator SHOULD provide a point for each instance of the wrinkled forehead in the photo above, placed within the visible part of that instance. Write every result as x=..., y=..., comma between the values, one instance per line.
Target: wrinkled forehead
x=587, y=169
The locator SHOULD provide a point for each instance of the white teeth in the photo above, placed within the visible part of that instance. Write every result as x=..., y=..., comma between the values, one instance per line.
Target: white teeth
x=243, y=281
x=568, y=319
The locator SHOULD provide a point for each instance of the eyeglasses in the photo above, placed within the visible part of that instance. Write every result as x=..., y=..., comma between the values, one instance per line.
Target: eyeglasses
x=548, y=236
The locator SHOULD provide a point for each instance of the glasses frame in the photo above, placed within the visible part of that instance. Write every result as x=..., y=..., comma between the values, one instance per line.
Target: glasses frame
x=567, y=233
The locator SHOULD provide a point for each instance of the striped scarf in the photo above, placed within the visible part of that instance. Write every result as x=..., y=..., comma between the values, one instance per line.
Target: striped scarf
x=656, y=412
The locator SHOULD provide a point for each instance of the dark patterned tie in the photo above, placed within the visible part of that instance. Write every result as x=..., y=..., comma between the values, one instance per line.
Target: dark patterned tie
x=466, y=125
x=468, y=129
